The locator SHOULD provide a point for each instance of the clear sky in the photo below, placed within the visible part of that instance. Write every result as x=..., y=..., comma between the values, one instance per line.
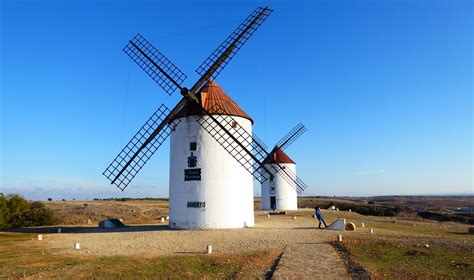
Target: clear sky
x=384, y=88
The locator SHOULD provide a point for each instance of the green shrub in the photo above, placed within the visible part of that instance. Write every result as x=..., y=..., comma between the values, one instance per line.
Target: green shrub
x=15, y=211
x=4, y=213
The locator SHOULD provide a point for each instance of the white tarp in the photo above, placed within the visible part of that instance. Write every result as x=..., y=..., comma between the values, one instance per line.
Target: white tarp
x=339, y=224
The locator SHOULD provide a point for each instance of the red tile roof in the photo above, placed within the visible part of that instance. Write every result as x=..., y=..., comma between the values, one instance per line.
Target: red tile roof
x=211, y=95
x=279, y=156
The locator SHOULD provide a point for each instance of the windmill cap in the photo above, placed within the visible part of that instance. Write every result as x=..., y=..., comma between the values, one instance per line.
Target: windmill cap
x=279, y=156
x=215, y=101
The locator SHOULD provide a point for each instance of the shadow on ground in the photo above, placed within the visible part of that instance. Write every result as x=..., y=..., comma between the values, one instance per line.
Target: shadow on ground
x=90, y=229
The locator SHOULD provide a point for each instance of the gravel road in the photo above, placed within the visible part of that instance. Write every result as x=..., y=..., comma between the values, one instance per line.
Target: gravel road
x=160, y=240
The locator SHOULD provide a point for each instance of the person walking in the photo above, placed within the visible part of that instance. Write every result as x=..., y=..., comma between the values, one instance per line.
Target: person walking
x=319, y=216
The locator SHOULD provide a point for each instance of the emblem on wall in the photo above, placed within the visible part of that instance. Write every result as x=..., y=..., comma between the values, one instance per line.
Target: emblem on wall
x=192, y=160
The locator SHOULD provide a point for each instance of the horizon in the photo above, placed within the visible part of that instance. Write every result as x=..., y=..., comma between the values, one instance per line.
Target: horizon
x=384, y=88
x=447, y=195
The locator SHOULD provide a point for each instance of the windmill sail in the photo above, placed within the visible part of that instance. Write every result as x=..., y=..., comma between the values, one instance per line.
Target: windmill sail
x=291, y=136
x=217, y=61
x=290, y=177
x=235, y=140
x=139, y=150
x=155, y=64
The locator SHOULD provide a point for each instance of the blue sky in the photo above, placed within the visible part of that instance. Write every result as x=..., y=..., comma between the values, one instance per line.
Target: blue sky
x=384, y=88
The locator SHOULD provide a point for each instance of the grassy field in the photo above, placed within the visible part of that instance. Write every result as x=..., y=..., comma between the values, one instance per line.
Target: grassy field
x=411, y=248
x=395, y=259
x=23, y=257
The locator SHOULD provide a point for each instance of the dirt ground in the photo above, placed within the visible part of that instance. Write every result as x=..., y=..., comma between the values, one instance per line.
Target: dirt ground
x=159, y=239
x=91, y=212
x=305, y=248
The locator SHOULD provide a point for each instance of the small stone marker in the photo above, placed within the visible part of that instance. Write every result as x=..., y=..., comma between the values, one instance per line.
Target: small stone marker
x=268, y=215
x=372, y=231
x=294, y=217
x=77, y=246
x=339, y=238
x=59, y=230
x=350, y=210
x=362, y=225
x=162, y=219
x=209, y=249
x=40, y=237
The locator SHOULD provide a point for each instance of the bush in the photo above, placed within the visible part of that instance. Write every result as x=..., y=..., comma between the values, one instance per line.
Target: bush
x=4, y=213
x=15, y=211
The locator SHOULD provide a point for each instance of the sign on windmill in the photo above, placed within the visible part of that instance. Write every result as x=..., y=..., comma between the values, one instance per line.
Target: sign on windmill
x=210, y=187
x=281, y=192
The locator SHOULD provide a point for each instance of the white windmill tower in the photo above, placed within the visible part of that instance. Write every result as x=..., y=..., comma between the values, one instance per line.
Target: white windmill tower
x=213, y=153
x=208, y=187
x=281, y=191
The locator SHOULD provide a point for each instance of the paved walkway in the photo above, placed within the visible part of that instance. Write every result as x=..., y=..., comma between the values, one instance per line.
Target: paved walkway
x=310, y=261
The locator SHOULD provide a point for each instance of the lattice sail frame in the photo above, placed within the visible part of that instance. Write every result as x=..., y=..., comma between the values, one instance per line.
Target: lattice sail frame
x=133, y=146
x=150, y=60
x=227, y=131
x=291, y=136
x=290, y=177
x=234, y=139
x=258, y=16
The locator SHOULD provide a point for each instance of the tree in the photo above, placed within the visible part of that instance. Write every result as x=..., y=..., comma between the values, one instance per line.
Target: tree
x=17, y=206
x=38, y=215
x=4, y=213
x=15, y=211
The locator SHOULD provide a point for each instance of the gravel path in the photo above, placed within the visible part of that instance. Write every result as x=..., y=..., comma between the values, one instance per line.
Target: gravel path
x=310, y=261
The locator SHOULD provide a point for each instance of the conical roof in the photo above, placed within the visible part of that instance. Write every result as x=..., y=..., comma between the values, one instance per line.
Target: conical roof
x=215, y=101
x=279, y=156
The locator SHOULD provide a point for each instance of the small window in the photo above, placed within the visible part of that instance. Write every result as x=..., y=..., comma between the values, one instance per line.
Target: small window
x=192, y=146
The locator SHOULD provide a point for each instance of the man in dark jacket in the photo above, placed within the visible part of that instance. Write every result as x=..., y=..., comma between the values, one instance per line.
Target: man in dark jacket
x=319, y=216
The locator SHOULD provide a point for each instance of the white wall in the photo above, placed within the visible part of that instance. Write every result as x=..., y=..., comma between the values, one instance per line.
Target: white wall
x=225, y=186
x=286, y=196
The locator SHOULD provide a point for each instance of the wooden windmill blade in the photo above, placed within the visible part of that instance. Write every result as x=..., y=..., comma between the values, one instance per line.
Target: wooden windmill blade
x=291, y=137
x=140, y=148
x=290, y=177
x=236, y=141
x=157, y=129
x=217, y=61
x=164, y=72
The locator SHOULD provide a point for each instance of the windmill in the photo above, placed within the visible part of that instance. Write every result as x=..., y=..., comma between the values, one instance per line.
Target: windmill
x=210, y=187
x=281, y=192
